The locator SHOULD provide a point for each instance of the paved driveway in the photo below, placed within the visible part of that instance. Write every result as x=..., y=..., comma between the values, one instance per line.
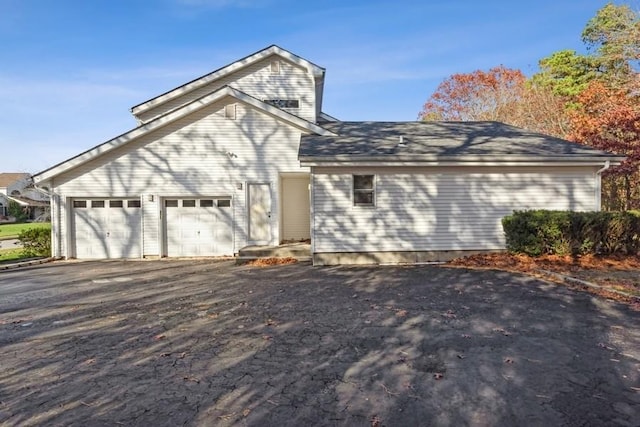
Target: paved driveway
x=210, y=343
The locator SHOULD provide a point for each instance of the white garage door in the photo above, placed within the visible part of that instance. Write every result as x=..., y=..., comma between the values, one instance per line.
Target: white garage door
x=198, y=227
x=107, y=228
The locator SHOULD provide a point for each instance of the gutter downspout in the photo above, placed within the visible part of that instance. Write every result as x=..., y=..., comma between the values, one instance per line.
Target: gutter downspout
x=598, y=194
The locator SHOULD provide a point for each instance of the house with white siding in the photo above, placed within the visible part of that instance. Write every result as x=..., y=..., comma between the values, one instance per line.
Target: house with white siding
x=245, y=156
x=17, y=188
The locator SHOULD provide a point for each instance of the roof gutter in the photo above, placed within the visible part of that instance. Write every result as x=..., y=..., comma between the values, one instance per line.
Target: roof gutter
x=452, y=162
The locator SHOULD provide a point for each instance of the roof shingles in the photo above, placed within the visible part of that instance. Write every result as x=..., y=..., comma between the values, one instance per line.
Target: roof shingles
x=8, y=178
x=433, y=141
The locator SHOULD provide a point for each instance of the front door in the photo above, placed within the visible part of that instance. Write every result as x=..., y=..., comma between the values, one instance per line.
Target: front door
x=259, y=214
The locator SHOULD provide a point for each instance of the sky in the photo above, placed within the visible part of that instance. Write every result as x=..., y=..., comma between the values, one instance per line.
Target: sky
x=70, y=70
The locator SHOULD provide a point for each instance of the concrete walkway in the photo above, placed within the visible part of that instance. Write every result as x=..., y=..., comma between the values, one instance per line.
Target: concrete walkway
x=10, y=244
x=298, y=250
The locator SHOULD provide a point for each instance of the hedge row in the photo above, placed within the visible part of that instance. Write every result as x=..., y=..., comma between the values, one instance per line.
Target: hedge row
x=36, y=241
x=539, y=232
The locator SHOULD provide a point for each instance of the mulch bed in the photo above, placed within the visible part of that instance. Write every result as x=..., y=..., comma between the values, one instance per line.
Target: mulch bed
x=614, y=272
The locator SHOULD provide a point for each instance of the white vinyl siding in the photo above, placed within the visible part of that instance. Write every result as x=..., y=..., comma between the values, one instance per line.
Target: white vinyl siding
x=203, y=154
x=257, y=80
x=437, y=209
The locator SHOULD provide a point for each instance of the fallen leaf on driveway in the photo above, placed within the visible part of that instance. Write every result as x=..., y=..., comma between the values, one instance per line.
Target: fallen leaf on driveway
x=603, y=345
x=438, y=376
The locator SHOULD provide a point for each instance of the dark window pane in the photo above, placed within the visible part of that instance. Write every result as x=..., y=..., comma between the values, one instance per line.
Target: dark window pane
x=363, y=182
x=188, y=203
x=133, y=203
x=79, y=203
x=171, y=203
x=363, y=198
x=224, y=203
x=283, y=103
x=206, y=203
x=115, y=203
x=97, y=203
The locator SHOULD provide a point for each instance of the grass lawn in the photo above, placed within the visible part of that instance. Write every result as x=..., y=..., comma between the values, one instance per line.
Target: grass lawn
x=11, y=254
x=11, y=231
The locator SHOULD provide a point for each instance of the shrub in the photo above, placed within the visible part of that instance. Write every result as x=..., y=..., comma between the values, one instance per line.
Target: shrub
x=17, y=211
x=539, y=232
x=36, y=241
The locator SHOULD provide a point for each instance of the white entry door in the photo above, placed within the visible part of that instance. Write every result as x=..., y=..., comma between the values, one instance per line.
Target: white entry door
x=198, y=227
x=259, y=214
x=107, y=228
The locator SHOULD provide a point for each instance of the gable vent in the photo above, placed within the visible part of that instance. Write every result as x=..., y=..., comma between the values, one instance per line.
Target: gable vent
x=275, y=67
x=230, y=111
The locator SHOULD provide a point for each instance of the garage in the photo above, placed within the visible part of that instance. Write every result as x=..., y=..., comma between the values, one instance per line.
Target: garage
x=198, y=227
x=107, y=228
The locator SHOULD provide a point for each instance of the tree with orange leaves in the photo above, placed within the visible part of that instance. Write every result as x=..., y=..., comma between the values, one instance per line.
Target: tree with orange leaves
x=500, y=94
x=609, y=119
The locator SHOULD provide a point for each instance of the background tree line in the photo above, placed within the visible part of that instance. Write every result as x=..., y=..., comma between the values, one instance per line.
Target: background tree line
x=591, y=98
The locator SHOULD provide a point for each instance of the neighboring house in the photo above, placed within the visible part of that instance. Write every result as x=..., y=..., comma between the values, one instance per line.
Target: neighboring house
x=245, y=156
x=18, y=188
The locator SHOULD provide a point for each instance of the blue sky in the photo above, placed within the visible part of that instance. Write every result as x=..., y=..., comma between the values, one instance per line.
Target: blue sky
x=70, y=70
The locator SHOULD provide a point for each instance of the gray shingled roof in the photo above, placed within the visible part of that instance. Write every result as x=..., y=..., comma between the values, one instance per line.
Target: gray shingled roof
x=440, y=141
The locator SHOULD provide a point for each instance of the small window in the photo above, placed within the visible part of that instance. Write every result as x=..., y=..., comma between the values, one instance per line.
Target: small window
x=283, y=103
x=188, y=203
x=133, y=203
x=97, y=203
x=224, y=203
x=79, y=203
x=115, y=203
x=171, y=203
x=275, y=67
x=230, y=111
x=363, y=190
x=206, y=203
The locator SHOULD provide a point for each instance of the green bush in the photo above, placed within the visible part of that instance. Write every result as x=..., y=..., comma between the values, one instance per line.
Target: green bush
x=36, y=241
x=539, y=232
x=17, y=211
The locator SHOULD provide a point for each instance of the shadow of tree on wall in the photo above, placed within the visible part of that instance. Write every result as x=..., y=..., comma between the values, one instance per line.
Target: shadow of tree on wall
x=203, y=154
x=434, y=208
x=209, y=343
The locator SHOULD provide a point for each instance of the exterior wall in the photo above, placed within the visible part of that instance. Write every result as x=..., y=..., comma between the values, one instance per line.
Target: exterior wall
x=438, y=209
x=256, y=80
x=204, y=154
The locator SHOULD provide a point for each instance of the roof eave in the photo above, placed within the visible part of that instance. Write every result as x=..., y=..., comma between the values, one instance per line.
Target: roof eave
x=350, y=161
x=171, y=117
x=315, y=70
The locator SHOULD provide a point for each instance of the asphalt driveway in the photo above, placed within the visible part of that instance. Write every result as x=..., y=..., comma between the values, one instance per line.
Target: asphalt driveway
x=211, y=343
